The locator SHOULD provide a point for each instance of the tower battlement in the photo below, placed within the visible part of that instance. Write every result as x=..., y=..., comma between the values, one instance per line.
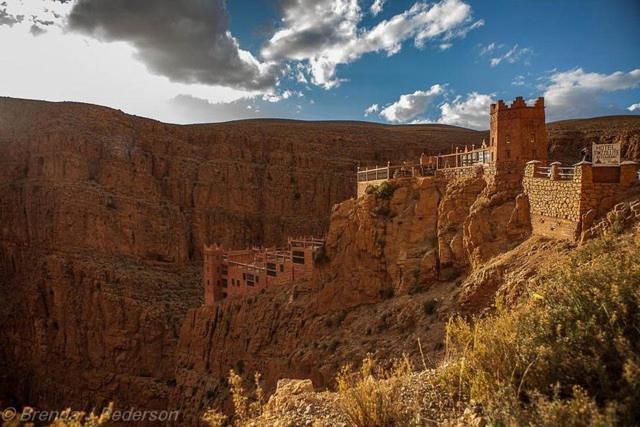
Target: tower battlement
x=519, y=102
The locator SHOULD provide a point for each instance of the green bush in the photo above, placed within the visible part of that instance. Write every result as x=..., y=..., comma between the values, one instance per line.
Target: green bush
x=385, y=190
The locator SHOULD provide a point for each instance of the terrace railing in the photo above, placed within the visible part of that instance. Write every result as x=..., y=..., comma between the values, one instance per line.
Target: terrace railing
x=566, y=173
x=479, y=156
x=543, y=172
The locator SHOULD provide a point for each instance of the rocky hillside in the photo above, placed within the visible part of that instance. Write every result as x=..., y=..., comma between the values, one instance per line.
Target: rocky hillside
x=568, y=137
x=103, y=216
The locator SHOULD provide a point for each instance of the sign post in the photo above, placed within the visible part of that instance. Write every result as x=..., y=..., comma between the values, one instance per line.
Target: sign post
x=606, y=154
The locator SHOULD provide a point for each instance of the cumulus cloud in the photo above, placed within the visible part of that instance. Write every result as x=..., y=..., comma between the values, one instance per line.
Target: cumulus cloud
x=372, y=109
x=577, y=93
x=410, y=106
x=634, y=107
x=471, y=112
x=187, y=41
x=377, y=6
x=327, y=33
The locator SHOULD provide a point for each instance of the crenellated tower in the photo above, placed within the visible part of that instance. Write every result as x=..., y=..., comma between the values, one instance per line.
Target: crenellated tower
x=518, y=134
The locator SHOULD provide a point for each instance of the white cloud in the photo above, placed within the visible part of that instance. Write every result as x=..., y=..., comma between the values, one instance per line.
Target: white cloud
x=80, y=68
x=327, y=33
x=634, y=107
x=372, y=109
x=410, y=106
x=519, y=80
x=488, y=49
x=513, y=55
x=377, y=6
x=471, y=112
x=577, y=93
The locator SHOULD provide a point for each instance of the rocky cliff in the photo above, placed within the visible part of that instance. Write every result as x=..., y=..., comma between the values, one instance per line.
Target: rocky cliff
x=102, y=217
x=392, y=270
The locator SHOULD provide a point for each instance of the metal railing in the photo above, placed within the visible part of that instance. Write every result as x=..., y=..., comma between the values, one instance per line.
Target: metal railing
x=566, y=173
x=543, y=172
x=462, y=159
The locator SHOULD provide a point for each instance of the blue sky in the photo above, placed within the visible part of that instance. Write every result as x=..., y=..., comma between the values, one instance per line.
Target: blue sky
x=409, y=62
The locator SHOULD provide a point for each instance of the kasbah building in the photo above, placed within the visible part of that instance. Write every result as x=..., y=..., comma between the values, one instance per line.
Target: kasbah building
x=563, y=201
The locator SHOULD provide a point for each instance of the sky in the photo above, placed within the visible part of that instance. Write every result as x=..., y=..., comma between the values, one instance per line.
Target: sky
x=387, y=61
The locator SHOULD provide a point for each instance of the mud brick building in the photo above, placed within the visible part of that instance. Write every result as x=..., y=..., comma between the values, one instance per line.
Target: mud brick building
x=230, y=274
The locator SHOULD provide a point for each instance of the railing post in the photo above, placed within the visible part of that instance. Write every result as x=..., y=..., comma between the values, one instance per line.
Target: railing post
x=554, y=172
x=530, y=168
x=582, y=172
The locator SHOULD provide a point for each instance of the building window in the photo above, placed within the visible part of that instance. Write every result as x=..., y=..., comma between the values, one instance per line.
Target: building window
x=298, y=257
x=508, y=154
x=224, y=283
x=281, y=268
x=508, y=139
x=533, y=138
x=271, y=269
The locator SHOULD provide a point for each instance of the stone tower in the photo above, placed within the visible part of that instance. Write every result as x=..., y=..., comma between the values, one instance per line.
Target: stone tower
x=518, y=134
x=212, y=274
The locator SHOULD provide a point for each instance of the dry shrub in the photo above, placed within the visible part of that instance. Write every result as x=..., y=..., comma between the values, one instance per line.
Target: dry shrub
x=573, y=346
x=371, y=396
x=245, y=406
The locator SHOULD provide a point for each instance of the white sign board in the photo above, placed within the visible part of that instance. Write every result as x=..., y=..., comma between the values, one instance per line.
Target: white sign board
x=606, y=154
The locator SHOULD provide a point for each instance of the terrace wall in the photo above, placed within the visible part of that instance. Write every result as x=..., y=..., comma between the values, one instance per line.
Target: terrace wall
x=565, y=201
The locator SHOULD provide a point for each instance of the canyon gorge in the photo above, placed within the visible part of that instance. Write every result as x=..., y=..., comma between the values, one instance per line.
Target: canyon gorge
x=103, y=217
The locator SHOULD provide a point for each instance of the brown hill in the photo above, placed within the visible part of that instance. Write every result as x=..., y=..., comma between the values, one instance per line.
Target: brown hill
x=103, y=216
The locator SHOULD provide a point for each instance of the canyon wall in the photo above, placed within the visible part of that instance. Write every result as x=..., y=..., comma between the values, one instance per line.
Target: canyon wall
x=103, y=216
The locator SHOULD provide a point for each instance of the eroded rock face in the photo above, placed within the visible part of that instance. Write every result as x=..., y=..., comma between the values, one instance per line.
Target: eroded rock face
x=381, y=246
x=283, y=333
x=103, y=216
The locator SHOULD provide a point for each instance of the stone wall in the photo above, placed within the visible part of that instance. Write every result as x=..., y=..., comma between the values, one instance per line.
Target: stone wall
x=461, y=172
x=554, y=205
x=562, y=206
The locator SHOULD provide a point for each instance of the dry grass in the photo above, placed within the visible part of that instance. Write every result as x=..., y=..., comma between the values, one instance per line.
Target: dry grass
x=370, y=397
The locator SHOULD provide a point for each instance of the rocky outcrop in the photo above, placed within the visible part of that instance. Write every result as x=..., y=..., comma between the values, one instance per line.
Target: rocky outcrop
x=381, y=245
